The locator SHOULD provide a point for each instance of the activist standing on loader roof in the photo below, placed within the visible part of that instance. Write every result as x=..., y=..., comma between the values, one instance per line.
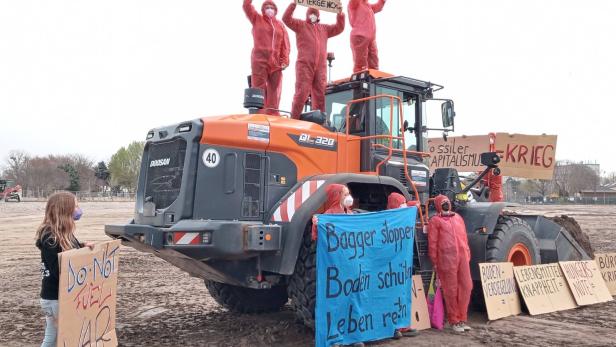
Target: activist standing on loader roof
x=363, y=34
x=55, y=235
x=450, y=256
x=270, y=54
x=311, y=66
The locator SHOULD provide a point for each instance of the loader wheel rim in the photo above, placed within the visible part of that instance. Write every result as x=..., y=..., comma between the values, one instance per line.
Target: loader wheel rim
x=519, y=255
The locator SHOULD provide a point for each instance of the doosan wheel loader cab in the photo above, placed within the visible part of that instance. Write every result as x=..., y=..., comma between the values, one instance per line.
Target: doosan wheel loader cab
x=230, y=199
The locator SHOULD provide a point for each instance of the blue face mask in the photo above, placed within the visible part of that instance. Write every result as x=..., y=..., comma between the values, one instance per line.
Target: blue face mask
x=77, y=213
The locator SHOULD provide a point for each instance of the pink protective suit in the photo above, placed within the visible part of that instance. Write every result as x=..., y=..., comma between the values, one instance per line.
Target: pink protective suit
x=495, y=184
x=270, y=54
x=395, y=200
x=450, y=255
x=333, y=205
x=311, y=66
x=363, y=34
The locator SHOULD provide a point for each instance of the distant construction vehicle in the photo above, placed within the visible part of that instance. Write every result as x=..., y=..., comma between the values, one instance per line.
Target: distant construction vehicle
x=9, y=191
x=230, y=199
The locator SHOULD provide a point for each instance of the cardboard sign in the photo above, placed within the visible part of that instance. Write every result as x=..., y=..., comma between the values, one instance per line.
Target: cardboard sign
x=420, y=319
x=544, y=288
x=586, y=282
x=334, y=6
x=87, y=296
x=527, y=156
x=364, y=275
x=462, y=153
x=607, y=265
x=499, y=290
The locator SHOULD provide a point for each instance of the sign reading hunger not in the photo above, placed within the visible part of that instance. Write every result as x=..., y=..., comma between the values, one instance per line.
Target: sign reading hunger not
x=364, y=275
x=87, y=296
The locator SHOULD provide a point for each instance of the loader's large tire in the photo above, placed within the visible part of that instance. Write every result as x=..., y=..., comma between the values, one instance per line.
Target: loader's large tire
x=512, y=238
x=248, y=300
x=303, y=283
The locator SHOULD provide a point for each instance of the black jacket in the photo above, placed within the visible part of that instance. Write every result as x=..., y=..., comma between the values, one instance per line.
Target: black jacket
x=50, y=269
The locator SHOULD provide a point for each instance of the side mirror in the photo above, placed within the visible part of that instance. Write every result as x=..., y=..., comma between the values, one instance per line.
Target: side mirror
x=448, y=114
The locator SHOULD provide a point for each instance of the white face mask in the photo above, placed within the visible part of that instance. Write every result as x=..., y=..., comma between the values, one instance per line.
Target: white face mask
x=270, y=12
x=314, y=18
x=348, y=201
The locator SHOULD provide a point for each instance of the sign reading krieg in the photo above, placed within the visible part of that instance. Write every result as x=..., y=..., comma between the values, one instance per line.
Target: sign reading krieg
x=527, y=156
x=87, y=296
x=364, y=275
x=544, y=288
x=323, y=5
x=461, y=153
x=499, y=290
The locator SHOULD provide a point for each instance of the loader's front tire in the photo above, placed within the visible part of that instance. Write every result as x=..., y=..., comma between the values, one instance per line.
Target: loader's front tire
x=513, y=240
x=248, y=300
x=303, y=283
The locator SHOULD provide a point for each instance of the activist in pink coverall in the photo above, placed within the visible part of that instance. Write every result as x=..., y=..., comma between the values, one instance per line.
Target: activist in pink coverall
x=450, y=256
x=270, y=54
x=363, y=33
x=338, y=202
x=495, y=184
x=311, y=66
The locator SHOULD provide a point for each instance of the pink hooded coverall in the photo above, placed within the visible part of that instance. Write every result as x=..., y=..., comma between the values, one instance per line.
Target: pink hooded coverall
x=450, y=256
x=363, y=33
x=311, y=66
x=333, y=205
x=270, y=54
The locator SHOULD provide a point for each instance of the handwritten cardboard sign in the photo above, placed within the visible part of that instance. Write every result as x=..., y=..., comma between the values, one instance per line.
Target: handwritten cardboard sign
x=462, y=153
x=87, y=296
x=334, y=6
x=499, y=290
x=586, y=282
x=607, y=265
x=544, y=288
x=420, y=319
x=364, y=275
x=527, y=156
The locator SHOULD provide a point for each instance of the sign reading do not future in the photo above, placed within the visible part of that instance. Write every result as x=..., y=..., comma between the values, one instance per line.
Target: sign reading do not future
x=334, y=6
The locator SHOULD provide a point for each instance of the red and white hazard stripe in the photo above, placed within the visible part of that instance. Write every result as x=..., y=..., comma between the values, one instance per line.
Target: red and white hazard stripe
x=181, y=238
x=286, y=210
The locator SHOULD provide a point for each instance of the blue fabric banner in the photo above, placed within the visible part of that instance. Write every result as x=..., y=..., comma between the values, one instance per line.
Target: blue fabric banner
x=364, y=275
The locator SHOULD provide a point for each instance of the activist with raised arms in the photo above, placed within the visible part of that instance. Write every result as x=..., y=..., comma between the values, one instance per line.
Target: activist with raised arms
x=363, y=33
x=311, y=65
x=55, y=235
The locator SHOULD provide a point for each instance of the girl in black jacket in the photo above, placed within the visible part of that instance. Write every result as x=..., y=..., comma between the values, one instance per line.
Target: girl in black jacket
x=55, y=235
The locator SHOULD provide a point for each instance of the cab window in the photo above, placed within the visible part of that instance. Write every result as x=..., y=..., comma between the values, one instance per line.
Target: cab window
x=384, y=121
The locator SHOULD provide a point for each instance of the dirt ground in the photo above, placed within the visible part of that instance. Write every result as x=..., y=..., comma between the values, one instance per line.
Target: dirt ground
x=159, y=305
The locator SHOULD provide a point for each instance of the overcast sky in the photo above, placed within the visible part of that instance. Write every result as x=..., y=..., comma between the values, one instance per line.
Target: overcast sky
x=87, y=77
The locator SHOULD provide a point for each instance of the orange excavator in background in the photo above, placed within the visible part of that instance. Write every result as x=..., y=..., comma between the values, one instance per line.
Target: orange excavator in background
x=230, y=199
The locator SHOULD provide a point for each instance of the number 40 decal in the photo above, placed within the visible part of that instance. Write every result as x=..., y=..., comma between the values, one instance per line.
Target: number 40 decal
x=211, y=158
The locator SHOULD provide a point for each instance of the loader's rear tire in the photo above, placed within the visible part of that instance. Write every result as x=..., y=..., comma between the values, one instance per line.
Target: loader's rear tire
x=248, y=300
x=513, y=240
x=303, y=283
